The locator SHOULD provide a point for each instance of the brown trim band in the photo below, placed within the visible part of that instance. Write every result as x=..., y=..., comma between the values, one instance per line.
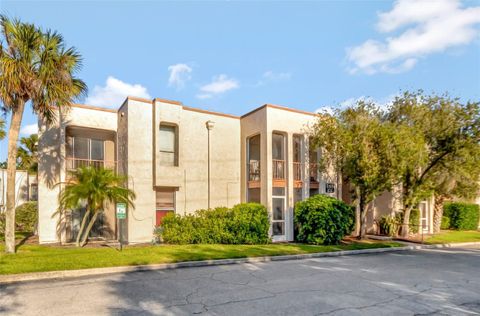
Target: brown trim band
x=279, y=107
x=139, y=99
x=89, y=107
x=168, y=101
x=209, y=112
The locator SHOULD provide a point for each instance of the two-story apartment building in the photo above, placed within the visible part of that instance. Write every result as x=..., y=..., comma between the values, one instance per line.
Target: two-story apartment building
x=181, y=159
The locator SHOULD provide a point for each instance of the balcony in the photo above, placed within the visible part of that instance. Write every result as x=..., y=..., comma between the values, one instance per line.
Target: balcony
x=313, y=175
x=75, y=163
x=253, y=174
x=297, y=174
x=278, y=173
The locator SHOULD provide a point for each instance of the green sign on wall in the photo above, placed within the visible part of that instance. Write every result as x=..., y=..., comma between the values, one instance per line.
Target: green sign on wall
x=121, y=210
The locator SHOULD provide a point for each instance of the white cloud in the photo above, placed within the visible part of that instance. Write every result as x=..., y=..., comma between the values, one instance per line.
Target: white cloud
x=424, y=27
x=270, y=76
x=29, y=129
x=114, y=93
x=220, y=84
x=179, y=75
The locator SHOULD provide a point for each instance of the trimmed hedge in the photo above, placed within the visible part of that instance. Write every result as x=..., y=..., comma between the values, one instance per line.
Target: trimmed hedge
x=463, y=216
x=26, y=216
x=246, y=223
x=445, y=222
x=321, y=219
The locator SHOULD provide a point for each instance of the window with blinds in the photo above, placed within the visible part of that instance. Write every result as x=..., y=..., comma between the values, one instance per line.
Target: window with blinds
x=164, y=204
x=165, y=200
x=168, y=145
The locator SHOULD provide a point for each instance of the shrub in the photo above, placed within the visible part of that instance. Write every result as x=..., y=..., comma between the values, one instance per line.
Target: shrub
x=445, y=222
x=243, y=224
x=321, y=219
x=463, y=216
x=250, y=223
x=388, y=225
x=414, y=221
x=2, y=223
x=26, y=217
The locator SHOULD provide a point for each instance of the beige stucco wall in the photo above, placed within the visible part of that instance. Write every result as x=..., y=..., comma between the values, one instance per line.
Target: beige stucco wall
x=189, y=178
x=52, y=168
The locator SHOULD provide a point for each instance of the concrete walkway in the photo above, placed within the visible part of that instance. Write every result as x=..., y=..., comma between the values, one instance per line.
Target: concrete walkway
x=421, y=282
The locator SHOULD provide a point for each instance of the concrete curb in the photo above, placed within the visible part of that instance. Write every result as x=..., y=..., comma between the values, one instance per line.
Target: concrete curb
x=52, y=275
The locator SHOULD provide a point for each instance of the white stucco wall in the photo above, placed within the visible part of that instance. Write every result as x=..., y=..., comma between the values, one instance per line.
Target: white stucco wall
x=52, y=169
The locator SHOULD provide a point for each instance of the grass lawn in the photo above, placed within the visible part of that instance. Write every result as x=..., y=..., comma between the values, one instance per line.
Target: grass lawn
x=452, y=236
x=36, y=258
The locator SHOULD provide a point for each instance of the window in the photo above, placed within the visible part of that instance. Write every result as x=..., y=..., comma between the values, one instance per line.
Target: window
x=33, y=192
x=96, y=149
x=83, y=151
x=168, y=145
x=164, y=203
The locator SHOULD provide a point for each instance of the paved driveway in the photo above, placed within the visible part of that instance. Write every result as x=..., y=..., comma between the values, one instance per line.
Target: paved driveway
x=426, y=282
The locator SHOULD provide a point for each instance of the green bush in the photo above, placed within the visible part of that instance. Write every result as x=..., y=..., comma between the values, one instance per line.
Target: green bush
x=414, y=221
x=243, y=224
x=388, y=225
x=26, y=217
x=250, y=223
x=445, y=222
x=2, y=224
x=321, y=219
x=463, y=216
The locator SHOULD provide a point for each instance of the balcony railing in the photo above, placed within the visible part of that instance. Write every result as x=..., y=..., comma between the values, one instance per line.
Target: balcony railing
x=297, y=171
x=254, y=170
x=75, y=163
x=313, y=172
x=278, y=169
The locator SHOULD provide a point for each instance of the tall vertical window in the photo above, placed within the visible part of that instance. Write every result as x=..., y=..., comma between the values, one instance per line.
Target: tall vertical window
x=253, y=169
x=278, y=156
x=168, y=145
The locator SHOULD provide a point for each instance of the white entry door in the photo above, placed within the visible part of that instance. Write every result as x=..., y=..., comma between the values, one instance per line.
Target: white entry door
x=424, y=220
x=278, y=218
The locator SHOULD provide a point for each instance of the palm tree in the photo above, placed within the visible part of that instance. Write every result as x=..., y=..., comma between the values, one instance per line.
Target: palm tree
x=35, y=67
x=28, y=153
x=93, y=188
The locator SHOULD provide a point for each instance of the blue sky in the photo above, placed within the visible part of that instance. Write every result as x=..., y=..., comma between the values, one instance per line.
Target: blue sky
x=235, y=56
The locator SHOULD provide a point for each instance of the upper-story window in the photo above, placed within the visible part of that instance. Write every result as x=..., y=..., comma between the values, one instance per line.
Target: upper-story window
x=83, y=151
x=278, y=156
x=168, y=145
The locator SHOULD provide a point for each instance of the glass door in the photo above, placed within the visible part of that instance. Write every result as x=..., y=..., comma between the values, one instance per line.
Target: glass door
x=423, y=217
x=278, y=214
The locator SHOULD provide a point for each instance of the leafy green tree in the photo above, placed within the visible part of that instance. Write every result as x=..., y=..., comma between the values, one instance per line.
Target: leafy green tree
x=27, y=155
x=93, y=188
x=456, y=178
x=356, y=143
x=449, y=132
x=35, y=67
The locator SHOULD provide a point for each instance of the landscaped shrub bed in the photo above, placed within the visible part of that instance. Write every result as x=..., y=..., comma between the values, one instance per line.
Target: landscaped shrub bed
x=463, y=216
x=246, y=223
x=321, y=219
x=26, y=216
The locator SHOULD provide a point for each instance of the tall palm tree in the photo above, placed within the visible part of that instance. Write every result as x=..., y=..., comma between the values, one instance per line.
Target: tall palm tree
x=93, y=188
x=27, y=155
x=35, y=67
